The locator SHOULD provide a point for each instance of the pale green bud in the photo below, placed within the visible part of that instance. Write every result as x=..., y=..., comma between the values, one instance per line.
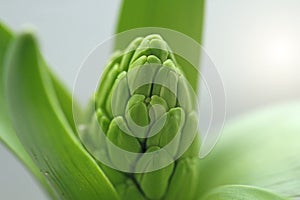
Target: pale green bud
x=148, y=117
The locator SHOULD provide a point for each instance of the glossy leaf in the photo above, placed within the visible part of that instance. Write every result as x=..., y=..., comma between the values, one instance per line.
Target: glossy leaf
x=182, y=16
x=7, y=132
x=67, y=104
x=44, y=130
x=261, y=149
x=238, y=192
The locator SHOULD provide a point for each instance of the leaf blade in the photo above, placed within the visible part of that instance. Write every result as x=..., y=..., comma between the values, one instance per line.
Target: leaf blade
x=240, y=192
x=7, y=132
x=260, y=149
x=43, y=129
x=183, y=16
x=65, y=100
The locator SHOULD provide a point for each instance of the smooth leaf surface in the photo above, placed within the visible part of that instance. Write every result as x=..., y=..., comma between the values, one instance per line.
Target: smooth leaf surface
x=238, y=192
x=65, y=101
x=261, y=149
x=44, y=129
x=182, y=16
x=7, y=133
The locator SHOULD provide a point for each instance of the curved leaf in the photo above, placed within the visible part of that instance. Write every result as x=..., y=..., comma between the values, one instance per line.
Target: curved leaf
x=238, y=192
x=7, y=133
x=261, y=149
x=65, y=101
x=182, y=16
x=44, y=130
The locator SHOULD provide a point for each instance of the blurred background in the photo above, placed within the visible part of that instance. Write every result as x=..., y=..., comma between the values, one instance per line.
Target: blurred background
x=254, y=44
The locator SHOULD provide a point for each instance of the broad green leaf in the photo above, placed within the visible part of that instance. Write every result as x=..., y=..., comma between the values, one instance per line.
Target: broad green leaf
x=65, y=101
x=7, y=133
x=44, y=130
x=239, y=192
x=261, y=149
x=182, y=16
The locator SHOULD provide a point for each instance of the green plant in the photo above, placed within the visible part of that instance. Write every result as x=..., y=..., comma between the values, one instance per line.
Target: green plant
x=256, y=157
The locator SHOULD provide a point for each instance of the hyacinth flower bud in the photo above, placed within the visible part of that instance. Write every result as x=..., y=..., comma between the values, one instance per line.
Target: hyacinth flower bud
x=144, y=104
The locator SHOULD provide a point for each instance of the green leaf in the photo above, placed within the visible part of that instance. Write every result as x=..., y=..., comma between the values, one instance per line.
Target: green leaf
x=44, y=130
x=67, y=104
x=239, y=192
x=182, y=16
x=154, y=184
x=261, y=149
x=183, y=184
x=7, y=133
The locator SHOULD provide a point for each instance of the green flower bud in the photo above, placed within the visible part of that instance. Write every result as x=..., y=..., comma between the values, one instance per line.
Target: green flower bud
x=171, y=127
x=137, y=115
x=154, y=184
x=128, y=190
x=143, y=105
x=183, y=184
x=120, y=138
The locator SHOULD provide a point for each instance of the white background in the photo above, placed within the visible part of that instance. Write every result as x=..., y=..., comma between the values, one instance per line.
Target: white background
x=255, y=45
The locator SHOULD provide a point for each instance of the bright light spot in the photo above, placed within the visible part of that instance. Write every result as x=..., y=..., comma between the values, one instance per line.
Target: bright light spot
x=278, y=58
x=280, y=51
